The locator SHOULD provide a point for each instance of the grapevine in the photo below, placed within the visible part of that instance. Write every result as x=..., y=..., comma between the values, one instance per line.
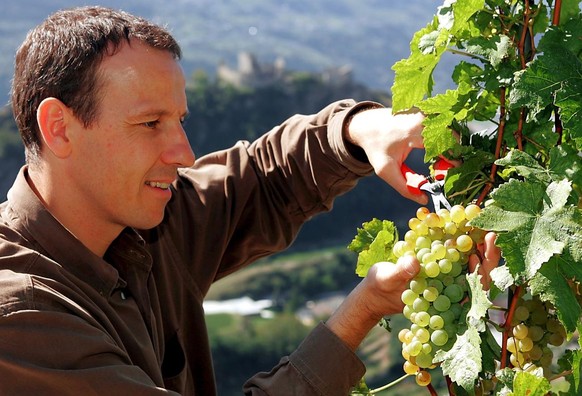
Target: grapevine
x=518, y=76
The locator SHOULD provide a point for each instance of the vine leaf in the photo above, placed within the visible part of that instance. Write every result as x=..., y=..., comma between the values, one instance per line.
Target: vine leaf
x=479, y=302
x=526, y=215
x=555, y=77
x=551, y=284
x=413, y=76
x=530, y=384
x=462, y=363
x=373, y=243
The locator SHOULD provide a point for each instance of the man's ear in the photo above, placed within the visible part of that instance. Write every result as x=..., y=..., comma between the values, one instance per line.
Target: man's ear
x=52, y=117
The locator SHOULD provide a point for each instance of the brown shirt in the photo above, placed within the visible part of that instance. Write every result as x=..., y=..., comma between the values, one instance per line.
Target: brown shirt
x=132, y=322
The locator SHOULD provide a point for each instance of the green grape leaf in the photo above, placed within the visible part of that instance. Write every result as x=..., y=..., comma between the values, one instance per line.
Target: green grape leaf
x=469, y=175
x=566, y=163
x=373, y=243
x=567, y=34
x=462, y=363
x=501, y=277
x=463, y=10
x=530, y=384
x=525, y=215
x=555, y=77
x=494, y=49
x=525, y=165
x=490, y=349
x=551, y=284
x=479, y=302
x=413, y=76
x=570, y=9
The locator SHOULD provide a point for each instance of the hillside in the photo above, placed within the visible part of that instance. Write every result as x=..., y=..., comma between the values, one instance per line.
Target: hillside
x=367, y=36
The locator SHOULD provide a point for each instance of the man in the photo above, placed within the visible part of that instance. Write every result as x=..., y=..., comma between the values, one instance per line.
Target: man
x=112, y=234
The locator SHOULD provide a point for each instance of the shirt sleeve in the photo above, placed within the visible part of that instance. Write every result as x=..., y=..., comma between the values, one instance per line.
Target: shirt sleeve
x=54, y=353
x=322, y=365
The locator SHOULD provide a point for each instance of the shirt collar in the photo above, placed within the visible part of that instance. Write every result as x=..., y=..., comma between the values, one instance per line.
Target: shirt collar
x=32, y=219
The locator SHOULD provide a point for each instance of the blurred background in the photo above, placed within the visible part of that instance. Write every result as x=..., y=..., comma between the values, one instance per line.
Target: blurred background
x=250, y=65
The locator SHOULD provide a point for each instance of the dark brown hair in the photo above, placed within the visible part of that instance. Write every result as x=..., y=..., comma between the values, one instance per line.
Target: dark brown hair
x=60, y=58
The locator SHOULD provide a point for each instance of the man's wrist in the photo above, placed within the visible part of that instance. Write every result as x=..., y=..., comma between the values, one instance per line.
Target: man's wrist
x=354, y=149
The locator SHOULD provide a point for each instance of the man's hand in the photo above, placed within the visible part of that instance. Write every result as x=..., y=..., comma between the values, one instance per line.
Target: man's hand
x=487, y=258
x=377, y=295
x=387, y=139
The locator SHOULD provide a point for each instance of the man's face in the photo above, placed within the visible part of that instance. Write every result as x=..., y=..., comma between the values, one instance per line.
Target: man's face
x=125, y=162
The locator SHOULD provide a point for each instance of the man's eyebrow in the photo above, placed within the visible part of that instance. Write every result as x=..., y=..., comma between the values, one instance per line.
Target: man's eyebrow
x=156, y=113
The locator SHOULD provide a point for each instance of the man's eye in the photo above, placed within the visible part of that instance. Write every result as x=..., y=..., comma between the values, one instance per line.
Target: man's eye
x=151, y=124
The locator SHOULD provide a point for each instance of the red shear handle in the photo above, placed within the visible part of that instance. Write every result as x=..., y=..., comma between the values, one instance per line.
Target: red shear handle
x=440, y=167
x=413, y=179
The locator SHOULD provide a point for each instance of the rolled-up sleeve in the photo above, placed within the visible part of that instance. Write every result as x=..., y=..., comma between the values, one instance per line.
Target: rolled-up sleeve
x=321, y=365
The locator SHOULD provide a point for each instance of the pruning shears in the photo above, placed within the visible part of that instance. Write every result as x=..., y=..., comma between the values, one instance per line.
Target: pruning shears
x=433, y=185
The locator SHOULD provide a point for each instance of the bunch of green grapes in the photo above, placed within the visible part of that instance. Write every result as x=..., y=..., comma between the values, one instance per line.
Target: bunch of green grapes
x=535, y=329
x=442, y=242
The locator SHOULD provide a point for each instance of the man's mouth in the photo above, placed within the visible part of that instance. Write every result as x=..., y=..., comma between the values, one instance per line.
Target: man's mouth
x=163, y=186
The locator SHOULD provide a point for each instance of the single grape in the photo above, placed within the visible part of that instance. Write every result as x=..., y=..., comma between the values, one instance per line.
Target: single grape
x=456, y=269
x=450, y=228
x=472, y=211
x=423, y=378
x=556, y=339
x=402, y=335
x=525, y=344
x=408, y=297
x=442, y=303
x=464, y=243
x=422, y=319
x=536, y=333
x=439, y=251
x=426, y=349
x=430, y=293
x=454, y=292
x=445, y=265
x=512, y=345
x=414, y=347
x=422, y=212
x=423, y=242
x=422, y=335
x=420, y=304
x=444, y=214
x=418, y=285
x=521, y=313
x=424, y=360
x=520, y=331
x=432, y=269
x=457, y=213
x=410, y=368
x=436, y=322
x=414, y=223
x=453, y=255
x=439, y=337
x=432, y=220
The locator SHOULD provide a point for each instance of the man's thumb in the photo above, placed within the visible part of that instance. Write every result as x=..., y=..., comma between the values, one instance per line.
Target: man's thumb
x=407, y=267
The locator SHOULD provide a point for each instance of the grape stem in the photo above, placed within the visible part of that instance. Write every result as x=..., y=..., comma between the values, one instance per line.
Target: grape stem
x=391, y=384
x=498, y=145
x=557, y=121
